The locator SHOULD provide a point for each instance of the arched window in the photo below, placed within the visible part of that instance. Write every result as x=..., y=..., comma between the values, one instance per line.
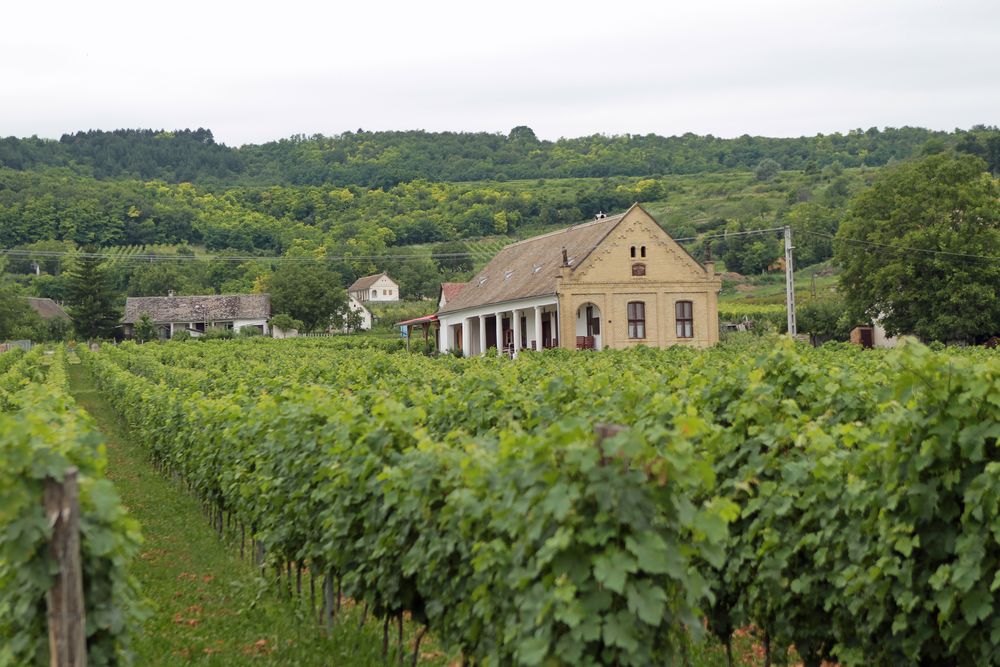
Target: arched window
x=636, y=319
x=632, y=253
x=642, y=251
x=684, y=316
x=638, y=269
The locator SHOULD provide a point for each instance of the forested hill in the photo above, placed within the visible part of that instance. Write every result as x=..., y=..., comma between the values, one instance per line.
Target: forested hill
x=383, y=159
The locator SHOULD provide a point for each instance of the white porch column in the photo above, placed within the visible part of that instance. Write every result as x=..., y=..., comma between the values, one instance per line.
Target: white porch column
x=499, y=329
x=482, y=334
x=466, y=337
x=444, y=336
x=538, y=327
x=516, y=315
x=555, y=328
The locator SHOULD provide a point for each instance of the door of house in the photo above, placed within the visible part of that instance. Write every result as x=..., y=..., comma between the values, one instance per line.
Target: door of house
x=593, y=323
x=546, y=331
x=458, y=336
x=867, y=337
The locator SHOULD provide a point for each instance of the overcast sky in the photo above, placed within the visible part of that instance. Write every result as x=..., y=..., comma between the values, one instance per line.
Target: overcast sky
x=253, y=71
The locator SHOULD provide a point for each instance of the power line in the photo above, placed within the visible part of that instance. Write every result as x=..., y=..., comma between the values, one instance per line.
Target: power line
x=890, y=246
x=728, y=234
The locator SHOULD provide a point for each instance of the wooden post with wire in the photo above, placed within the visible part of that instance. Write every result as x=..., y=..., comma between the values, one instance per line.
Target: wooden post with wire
x=67, y=623
x=790, y=283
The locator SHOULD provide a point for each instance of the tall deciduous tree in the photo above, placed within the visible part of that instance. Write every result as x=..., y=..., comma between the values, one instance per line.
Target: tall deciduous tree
x=92, y=301
x=944, y=208
x=308, y=291
x=15, y=314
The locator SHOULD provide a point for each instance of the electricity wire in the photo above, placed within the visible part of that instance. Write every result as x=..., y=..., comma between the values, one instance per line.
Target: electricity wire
x=891, y=246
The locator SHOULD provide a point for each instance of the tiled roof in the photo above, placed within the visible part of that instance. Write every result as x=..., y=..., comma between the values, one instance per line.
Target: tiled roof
x=450, y=290
x=530, y=268
x=211, y=308
x=366, y=282
x=47, y=308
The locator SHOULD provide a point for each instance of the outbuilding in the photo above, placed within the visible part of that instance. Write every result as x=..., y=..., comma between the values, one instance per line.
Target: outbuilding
x=199, y=314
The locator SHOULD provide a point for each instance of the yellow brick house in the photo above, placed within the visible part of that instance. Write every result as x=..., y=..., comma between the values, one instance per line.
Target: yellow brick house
x=613, y=282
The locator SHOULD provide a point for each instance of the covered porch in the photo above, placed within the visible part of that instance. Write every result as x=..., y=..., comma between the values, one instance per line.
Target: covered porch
x=508, y=330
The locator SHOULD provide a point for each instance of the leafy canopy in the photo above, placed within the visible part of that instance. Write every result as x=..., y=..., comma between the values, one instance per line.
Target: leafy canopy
x=942, y=203
x=308, y=291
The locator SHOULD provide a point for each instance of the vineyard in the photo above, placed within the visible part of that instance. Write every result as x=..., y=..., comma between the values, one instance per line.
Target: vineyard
x=43, y=434
x=836, y=500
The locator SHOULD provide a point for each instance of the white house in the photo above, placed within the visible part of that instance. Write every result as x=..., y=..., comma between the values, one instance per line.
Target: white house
x=379, y=287
x=613, y=282
x=198, y=314
x=366, y=315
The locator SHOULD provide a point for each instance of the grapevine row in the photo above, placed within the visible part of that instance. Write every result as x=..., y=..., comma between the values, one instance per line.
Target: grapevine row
x=43, y=434
x=860, y=490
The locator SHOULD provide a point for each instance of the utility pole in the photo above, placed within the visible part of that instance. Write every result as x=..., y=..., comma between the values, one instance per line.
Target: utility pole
x=789, y=282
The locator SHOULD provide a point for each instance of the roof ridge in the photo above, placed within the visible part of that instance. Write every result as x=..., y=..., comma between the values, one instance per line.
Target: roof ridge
x=564, y=230
x=196, y=296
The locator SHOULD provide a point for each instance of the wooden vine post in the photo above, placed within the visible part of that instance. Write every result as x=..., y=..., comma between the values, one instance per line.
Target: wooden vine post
x=604, y=432
x=67, y=625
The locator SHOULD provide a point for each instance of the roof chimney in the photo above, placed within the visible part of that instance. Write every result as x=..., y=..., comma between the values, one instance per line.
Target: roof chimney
x=709, y=264
x=565, y=257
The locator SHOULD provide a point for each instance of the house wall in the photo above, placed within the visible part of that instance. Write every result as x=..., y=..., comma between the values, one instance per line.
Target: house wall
x=240, y=324
x=366, y=315
x=605, y=279
x=881, y=339
x=175, y=327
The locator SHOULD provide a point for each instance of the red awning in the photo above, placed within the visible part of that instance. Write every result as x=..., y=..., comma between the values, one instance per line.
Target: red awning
x=426, y=319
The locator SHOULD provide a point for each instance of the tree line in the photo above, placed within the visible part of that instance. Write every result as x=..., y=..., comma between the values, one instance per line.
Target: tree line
x=384, y=159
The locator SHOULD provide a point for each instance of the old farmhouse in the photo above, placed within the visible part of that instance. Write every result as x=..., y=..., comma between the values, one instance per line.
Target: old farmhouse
x=614, y=282
x=198, y=314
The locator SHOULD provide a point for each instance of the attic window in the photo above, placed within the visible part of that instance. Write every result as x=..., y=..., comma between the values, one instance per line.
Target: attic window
x=632, y=252
x=507, y=274
x=642, y=251
x=482, y=281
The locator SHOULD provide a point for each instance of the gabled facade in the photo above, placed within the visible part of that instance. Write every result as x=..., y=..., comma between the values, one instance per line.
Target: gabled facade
x=615, y=282
x=377, y=288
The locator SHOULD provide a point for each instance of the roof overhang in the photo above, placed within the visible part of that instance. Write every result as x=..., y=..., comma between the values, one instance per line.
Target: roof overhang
x=426, y=319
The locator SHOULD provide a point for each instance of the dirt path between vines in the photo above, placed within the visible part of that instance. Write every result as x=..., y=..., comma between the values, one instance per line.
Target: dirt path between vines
x=209, y=607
